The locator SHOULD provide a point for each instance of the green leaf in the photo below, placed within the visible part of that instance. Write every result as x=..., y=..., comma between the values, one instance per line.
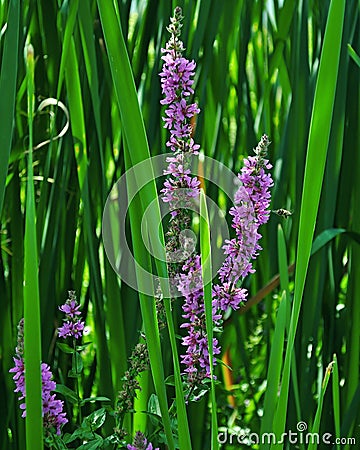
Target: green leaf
x=324, y=237
x=94, y=399
x=153, y=405
x=93, y=444
x=65, y=348
x=68, y=393
x=354, y=55
x=8, y=77
x=206, y=270
x=32, y=326
x=96, y=419
x=314, y=172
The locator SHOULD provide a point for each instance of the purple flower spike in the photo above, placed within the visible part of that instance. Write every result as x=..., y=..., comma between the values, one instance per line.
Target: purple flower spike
x=176, y=83
x=252, y=201
x=53, y=415
x=196, y=357
x=71, y=308
x=72, y=327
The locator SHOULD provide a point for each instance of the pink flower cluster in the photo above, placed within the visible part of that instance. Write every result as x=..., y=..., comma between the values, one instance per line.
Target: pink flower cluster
x=73, y=326
x=176, y=83
x=53, y=415
x=252, y=201
x=196, y=357
x=250, y=211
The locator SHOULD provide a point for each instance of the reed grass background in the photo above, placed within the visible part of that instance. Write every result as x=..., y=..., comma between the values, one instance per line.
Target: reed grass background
x=262, y=67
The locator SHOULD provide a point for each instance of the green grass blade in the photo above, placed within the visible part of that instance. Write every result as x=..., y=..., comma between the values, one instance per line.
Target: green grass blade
x=8, y=77
x=134, y=131
x=314, y=171
x=76, y=109
x=274, y=370
x=336, y=398
x=32, y=333
x=147, y=303
x=205, y=251
x=316, y=426
x=67, y=42
x=354, y=55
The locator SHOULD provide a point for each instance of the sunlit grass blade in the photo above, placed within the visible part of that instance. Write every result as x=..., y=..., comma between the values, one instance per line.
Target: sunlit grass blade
x=316, y=425
x=80, y=149
x=8, y=77
x=138, y=151
x=274, y=370
x=354, y=55
x=32, y=333
x=277, y=344
x=147, y=303
x=206, y=269
x=67, y=42
x=314, y=170
x=336, y=398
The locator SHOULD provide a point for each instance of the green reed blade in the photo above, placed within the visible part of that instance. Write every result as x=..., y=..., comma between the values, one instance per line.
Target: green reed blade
x=147, y=304
x=354, y=55
x=32, y=333
x=206, y=269
x=76, y=109
x=336, y=398
x=314, y=170
x=316, y=425
x=134, y=131
x=8, y=77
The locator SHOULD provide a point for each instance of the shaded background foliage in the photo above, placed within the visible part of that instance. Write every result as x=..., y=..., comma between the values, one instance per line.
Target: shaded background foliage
x=257, y=63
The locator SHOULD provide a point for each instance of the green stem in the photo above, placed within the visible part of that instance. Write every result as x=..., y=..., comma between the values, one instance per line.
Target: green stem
x=77, y=383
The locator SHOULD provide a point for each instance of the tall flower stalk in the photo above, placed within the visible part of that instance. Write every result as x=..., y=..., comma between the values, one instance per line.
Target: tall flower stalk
x=250, y=211
x=73, y=327
x=180, y=189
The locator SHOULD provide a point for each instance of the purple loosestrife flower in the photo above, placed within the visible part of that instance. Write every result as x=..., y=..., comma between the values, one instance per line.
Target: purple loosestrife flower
x=196, y=357
x=73, y=326
x=53, y=415
x=176, y=83
x=252, y=201
x=141, y=443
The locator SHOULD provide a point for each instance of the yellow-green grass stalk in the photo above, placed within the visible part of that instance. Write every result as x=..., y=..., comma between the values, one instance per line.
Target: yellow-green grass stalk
x=136, y=151
x=336, y=398
x=277, y=344
x=32, y=328
x=8, y=76
x=316, y=425
x=206, y=271
x=314, y=170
